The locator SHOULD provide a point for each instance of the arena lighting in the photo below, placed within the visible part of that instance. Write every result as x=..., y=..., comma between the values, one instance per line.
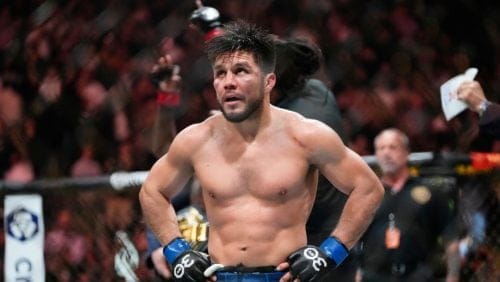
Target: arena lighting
x=432, y=163
x=485, y=160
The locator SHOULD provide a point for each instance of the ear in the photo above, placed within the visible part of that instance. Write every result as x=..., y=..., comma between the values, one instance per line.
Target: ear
x=270, y=81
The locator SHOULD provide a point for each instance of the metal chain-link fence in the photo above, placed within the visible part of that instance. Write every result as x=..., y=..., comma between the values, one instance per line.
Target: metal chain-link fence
x=99, y=235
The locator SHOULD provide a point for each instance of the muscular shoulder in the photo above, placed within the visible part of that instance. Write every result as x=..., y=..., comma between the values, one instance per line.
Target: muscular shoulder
x=194, y=136
x=313, y=135
x=302, y=127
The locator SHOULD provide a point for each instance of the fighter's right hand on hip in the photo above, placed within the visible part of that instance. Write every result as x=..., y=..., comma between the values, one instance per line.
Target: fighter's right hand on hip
x=186, y=265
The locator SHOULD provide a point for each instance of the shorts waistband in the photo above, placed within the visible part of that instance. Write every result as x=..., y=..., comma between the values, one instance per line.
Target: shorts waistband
x=249, y=277
x=249, y=274
x=246, y=269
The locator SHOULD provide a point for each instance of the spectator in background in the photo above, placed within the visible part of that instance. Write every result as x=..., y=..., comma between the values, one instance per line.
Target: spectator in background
x=11, y=107
x=64, y=245
x=409, y=225
x=472, y=94
x=99, y=124
x=297, y=60
x=86, y=165
x=14, y=153
x=53, y=117
x=20, y=169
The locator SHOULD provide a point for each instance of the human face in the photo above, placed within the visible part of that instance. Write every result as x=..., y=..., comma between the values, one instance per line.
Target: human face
x=391, y=153
x=240, y=85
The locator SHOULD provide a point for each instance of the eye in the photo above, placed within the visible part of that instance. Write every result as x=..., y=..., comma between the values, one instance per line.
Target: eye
x=219, y=73
x=241, y=71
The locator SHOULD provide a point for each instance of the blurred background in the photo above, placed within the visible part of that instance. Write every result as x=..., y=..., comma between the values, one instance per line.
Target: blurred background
x=76, y=99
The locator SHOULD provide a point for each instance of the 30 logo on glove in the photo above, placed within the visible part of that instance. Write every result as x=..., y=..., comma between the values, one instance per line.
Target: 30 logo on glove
x=190, y=266
x=317, y=261
x=311, y=263
x=187, y=265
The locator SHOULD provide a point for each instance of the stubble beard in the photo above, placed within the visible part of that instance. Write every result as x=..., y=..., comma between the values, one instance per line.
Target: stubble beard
x=251, y=108
x=388, y=167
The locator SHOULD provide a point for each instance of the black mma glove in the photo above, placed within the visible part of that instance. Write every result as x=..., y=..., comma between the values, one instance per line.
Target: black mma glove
x=186, y=265
x=311, y=263
x=207, y=19
x=170, y=96
x=161, y=74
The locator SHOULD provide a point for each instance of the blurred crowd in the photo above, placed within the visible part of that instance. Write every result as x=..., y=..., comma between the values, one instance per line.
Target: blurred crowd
x=76, y=98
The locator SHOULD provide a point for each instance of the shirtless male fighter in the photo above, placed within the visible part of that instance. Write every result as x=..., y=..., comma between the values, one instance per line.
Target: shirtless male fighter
x=258, y=167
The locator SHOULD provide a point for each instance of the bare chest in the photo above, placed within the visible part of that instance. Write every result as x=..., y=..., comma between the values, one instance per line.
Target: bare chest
x=263, y=172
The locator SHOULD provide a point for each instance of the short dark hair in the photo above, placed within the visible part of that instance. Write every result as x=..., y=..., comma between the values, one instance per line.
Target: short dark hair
x=242, y=36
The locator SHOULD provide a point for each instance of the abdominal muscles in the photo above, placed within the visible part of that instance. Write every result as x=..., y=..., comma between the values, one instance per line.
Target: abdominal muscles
x=255, y=232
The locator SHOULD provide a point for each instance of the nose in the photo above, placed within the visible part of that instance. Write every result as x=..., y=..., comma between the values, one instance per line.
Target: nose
x=228, y=81
x=383, y=153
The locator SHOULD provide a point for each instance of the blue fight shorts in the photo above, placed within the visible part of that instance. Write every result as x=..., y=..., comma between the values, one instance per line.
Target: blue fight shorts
x=249, y=274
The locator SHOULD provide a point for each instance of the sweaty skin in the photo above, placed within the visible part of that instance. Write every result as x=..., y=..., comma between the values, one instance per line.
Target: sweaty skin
x=258, y=173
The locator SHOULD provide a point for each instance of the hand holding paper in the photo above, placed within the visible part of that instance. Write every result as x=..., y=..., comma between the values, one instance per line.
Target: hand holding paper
x=449, y=101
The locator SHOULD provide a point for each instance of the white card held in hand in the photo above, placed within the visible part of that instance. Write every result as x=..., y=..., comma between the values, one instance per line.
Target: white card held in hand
x=449, y=101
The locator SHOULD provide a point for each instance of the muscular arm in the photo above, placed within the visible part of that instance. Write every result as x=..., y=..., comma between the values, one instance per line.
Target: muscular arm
x=164, y=128
x=363, y=200
x=167, y=176
x=347, y=171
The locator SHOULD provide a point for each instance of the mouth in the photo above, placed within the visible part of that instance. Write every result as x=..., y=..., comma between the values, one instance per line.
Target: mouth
x=232, y=98
x=386, y=162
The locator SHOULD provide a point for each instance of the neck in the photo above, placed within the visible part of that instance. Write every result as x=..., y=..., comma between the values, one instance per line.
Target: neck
x=276, y=96
x=251, y=127
x=396, y=180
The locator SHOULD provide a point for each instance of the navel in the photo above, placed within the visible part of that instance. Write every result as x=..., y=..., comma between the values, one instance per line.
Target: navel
x=212, y=195
x=243, y=249
x=283, y=192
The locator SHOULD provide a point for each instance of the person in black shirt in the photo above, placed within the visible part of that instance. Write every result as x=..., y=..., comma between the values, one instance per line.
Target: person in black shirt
x=411, y=220
x=297, y=90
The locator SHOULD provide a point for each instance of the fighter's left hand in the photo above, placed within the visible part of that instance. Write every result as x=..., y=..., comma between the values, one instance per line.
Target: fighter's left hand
x=288, y=277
